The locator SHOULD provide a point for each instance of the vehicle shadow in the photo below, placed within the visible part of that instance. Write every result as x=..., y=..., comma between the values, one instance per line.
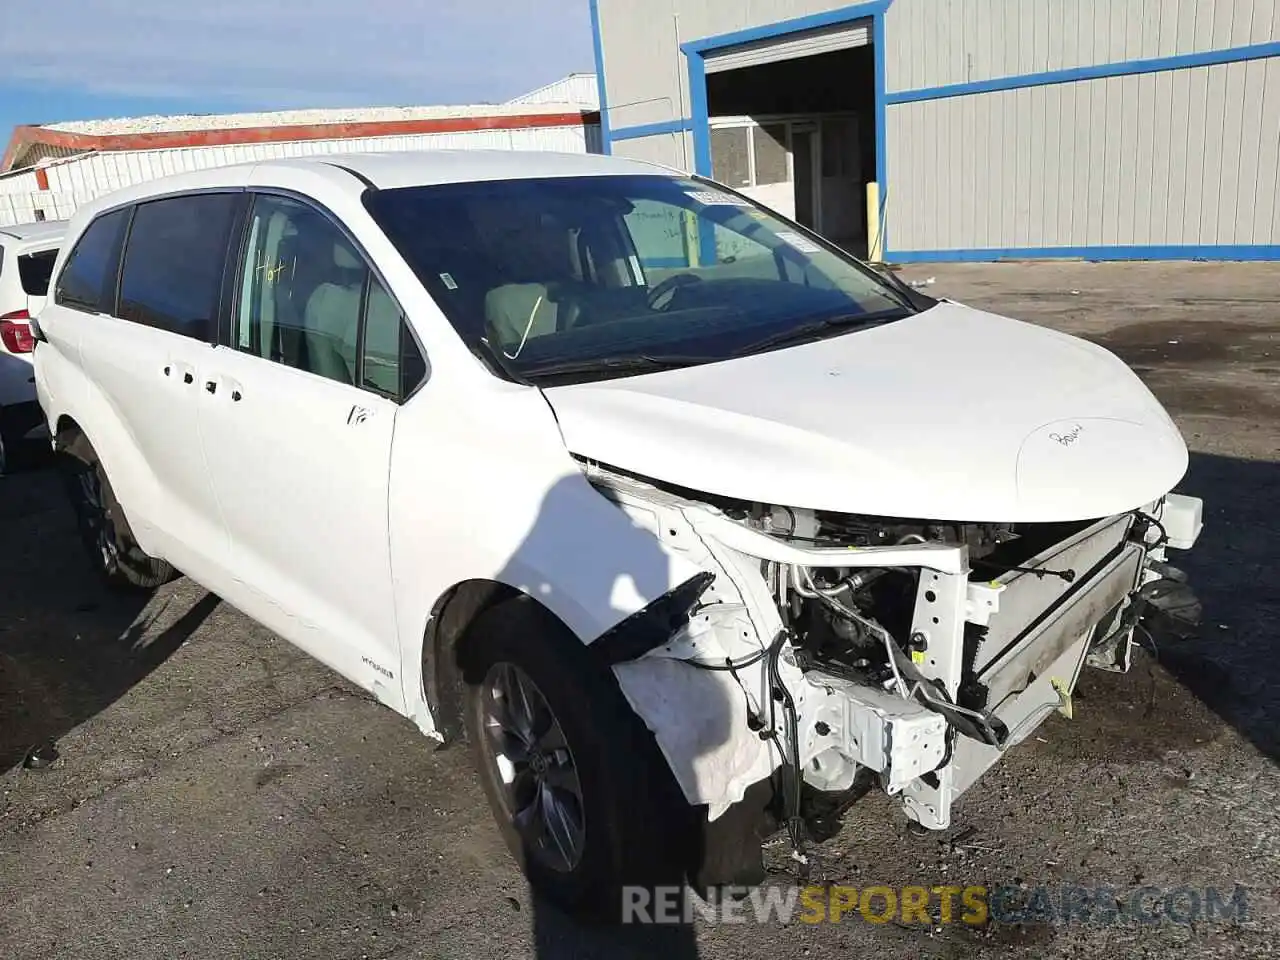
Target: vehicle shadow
x=69, y=647
x=1231, y=664
x=571, y=524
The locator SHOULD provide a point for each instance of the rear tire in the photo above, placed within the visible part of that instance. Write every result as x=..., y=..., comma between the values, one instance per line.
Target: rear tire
x=104, y=530
x=581, y=794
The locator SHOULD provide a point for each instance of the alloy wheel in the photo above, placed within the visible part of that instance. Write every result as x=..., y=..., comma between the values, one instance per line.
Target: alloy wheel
x=535, y=769
x=99, y=528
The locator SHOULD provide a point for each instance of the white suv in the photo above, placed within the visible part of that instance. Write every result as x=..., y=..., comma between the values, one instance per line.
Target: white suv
x=27, y=255
x=695, y=527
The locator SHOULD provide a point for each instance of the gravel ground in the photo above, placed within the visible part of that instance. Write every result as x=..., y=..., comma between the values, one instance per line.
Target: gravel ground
x=220, y=794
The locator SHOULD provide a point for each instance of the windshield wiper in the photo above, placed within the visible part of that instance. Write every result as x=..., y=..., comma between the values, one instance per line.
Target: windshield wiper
x=807, y=331
x=624, y=364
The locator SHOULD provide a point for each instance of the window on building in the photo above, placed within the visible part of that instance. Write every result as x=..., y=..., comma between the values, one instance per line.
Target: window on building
x=174, y=261
x=770, y=143
x=731, y=156
x=88, y=280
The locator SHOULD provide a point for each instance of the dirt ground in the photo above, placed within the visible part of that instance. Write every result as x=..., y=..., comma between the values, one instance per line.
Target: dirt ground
x=218, y=794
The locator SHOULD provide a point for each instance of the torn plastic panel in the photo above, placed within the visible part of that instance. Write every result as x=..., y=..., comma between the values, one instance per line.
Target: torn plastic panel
x=653, y=625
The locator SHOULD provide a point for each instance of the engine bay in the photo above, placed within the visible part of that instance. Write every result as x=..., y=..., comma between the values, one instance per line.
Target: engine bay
x=857, y=650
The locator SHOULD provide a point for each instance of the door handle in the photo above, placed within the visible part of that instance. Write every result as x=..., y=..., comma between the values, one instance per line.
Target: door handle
x=177, y=366
x=226, y=384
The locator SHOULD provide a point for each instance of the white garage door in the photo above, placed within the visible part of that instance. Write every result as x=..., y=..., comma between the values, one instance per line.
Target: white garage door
x=806, y=43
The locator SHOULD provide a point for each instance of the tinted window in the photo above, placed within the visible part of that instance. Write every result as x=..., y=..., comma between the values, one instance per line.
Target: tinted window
x=302, y=291
x=35, y=270
x=88, y=280
x=173, y=263
x=392, y=364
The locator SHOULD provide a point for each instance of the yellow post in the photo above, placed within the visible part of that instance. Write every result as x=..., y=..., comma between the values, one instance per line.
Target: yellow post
x=875, y=240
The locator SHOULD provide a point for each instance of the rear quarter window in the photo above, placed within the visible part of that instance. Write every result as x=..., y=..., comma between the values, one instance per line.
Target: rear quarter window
x=35, y=270
x=88, y=280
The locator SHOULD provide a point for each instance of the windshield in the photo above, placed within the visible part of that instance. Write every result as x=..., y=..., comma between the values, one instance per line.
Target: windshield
x=570, y=279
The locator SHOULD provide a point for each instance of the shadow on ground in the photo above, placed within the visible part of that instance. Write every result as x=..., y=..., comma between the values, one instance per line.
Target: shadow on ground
x=1229, y=666
x=1232, y=666
x=69, y=647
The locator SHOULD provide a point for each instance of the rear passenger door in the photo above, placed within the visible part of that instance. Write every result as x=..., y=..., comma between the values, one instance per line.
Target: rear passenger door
x=147, y=355
x=297, y=420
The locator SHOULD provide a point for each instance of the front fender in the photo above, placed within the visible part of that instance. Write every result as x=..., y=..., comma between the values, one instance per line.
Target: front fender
x=513, y=508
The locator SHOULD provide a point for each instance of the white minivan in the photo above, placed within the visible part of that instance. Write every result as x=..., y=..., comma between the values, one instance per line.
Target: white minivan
x=695, y=527
x=27, y=255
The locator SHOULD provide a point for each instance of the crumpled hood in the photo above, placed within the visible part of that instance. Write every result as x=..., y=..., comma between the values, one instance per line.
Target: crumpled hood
x=951, y=414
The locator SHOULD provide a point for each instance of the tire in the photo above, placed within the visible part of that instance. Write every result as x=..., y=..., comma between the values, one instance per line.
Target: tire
x=635, y=827
x=105, y=532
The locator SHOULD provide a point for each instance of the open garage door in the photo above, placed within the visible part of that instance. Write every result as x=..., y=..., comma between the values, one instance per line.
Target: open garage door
x=792, y=123
x=807, y=43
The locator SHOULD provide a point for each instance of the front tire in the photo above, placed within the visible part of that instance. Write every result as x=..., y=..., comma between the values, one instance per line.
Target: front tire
x=104, y=530
x=579, y=789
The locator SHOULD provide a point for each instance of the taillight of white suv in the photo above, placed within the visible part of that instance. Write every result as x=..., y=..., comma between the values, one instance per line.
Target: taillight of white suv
x=15, y=332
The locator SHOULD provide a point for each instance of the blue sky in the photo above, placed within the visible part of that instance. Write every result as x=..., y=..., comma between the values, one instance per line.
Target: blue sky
x=86, y=59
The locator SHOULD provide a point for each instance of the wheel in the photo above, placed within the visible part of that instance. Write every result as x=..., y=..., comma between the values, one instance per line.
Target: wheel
x=579, y=789
x=103, y=528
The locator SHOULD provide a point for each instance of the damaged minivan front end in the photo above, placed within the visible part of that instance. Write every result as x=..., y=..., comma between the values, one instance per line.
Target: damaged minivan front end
x=824, y=652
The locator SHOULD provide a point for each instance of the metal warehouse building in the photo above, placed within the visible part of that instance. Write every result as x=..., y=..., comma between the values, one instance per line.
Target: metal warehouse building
x=48, y=170
x=977, y=129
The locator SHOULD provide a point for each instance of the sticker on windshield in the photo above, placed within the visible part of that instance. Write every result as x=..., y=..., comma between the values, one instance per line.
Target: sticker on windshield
x=709, y=199
x=796, y=241
x=448, y=281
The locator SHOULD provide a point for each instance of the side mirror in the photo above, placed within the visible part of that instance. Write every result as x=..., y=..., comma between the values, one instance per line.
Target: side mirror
x=36, y=333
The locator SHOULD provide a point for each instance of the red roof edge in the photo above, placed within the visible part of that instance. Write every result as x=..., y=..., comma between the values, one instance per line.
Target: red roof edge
x=22, y=136
x=26, y=135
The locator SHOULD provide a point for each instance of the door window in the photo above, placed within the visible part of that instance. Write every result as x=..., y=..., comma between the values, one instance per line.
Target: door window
x=392, y=363
x=88, y=280
x=302, y=290
x=304, y=293
x=174, y=262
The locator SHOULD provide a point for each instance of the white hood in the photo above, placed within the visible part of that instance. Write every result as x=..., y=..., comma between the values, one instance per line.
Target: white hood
x=951, y=414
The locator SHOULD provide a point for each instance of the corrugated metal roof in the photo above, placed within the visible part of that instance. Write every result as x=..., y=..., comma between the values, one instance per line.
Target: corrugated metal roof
x=57, y=187
x=577, y=88
x=31, y=144
x=98, y=173
x=301, y=118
